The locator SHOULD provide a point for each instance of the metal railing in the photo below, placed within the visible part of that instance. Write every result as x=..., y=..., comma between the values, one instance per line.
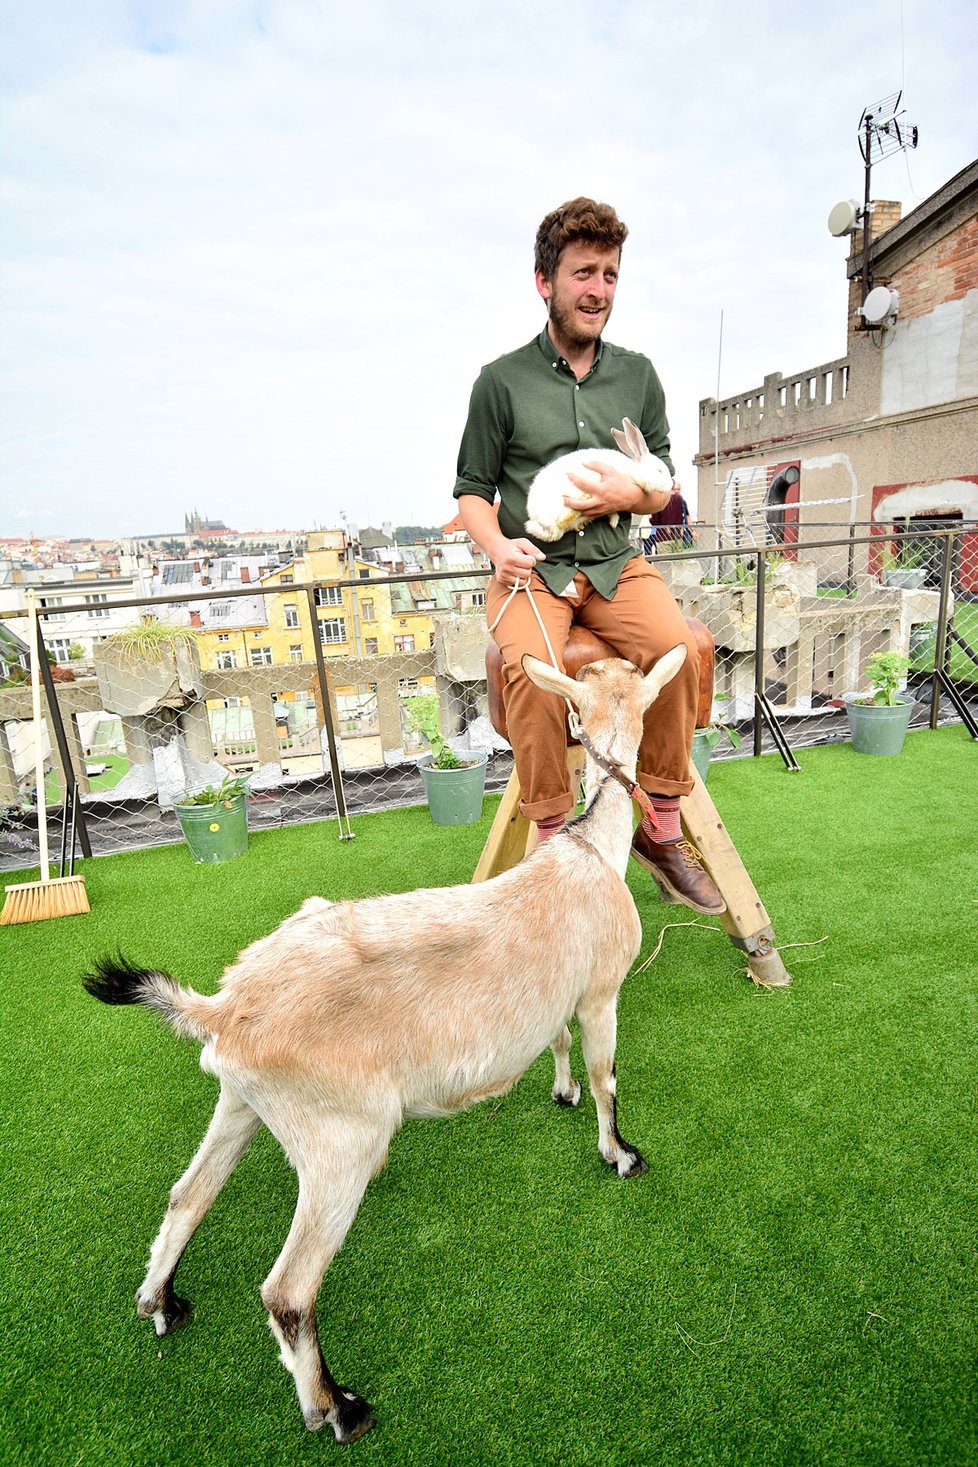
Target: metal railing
x=794, y=624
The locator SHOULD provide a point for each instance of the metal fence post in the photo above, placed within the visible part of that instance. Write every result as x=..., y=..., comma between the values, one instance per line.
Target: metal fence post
x=334, y=761
x=759, y=653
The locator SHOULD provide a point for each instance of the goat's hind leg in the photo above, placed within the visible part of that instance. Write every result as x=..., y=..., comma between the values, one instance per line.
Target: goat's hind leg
x=232, y=1127
x=598, y=1025
x=335, y=1162
x=566, y=1090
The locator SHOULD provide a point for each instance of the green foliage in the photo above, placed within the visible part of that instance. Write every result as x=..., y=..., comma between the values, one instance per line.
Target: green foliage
x=148, y=640
x=885, y=671
x=76, y=651
x=231, y=786
x=716, y=732
x=413, y=534
x=422, y=716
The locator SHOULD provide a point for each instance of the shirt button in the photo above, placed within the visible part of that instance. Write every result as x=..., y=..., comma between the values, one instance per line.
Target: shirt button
x=580, y=532
x=577, y=387
x=580, y=425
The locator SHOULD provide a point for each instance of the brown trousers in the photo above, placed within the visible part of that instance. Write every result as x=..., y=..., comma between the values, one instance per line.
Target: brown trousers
x=641, y=622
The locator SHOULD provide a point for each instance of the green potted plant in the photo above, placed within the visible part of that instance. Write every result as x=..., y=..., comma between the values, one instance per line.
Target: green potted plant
x=905, y=569
x=150, y=665
x=454, y=787
x=705, y=741
x=878, y=721
x=214, y=819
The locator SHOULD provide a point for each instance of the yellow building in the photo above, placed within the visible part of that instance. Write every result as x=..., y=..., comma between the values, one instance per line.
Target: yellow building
x=352, y=621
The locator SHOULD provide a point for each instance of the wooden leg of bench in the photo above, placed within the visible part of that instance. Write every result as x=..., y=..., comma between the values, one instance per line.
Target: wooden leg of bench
x=745, y=920
x=507, y=840
x=512, y=836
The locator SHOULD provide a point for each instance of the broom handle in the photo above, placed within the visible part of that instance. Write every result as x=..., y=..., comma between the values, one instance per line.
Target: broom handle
x=42, y=820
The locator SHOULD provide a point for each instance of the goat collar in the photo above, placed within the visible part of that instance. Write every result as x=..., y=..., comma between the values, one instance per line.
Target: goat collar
x=631, y=785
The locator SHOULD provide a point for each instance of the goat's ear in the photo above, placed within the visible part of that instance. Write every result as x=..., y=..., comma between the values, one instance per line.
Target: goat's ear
x=550, y=680
x=665, y=670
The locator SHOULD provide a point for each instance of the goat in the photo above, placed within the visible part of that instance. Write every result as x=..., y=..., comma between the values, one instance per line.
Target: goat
x=352, y=1016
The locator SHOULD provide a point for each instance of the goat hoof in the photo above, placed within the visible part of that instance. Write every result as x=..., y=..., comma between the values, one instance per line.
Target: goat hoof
x=167, y=1311
x=632, y=1164
x=352, y=1417
x=570, y=1097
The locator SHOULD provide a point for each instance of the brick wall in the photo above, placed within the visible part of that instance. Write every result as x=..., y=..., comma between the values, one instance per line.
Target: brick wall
x=944, y=272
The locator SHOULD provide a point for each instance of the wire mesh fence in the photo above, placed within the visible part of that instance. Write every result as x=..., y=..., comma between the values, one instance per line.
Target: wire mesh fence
x=159, y=710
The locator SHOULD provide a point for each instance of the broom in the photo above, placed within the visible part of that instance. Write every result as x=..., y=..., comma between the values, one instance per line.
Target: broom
x=62, y=896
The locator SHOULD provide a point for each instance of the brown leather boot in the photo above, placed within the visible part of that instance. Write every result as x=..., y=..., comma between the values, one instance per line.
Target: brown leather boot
x=677, y=870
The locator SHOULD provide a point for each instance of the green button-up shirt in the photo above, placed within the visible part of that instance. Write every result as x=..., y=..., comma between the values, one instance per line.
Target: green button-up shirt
x=528, y=408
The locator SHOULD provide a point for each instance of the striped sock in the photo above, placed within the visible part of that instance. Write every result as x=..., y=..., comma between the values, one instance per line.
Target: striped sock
x=550, y=826
x=666, y=808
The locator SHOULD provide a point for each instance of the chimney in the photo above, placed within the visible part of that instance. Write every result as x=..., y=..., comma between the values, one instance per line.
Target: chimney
x=195, y=620
x=245, y=576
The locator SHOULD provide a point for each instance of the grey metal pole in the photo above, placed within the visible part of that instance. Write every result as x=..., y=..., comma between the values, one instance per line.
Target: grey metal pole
x=334, y=762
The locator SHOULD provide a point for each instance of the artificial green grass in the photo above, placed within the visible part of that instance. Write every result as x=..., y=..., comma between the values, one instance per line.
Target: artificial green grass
x=792, y=1282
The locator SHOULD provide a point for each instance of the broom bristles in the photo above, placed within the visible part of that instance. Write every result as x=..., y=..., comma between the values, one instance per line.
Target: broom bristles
x=35, y=901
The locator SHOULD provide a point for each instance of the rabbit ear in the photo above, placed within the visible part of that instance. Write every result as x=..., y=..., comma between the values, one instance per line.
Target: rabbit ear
x=637, y=446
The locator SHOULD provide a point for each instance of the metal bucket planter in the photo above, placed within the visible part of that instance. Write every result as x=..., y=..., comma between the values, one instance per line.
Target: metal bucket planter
x=217, y=832
x=877, y=728
x=702, y=749
x=455, y=795
x=905, y=580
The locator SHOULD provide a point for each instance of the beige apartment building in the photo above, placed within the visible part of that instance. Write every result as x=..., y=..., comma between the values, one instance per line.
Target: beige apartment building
x=886, y=434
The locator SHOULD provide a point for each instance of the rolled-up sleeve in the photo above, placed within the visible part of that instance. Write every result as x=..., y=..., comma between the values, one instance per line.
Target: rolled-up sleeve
x=483, y=447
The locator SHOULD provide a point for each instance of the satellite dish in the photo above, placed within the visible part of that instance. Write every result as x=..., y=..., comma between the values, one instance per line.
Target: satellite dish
x=844, y=217
x=880, y=303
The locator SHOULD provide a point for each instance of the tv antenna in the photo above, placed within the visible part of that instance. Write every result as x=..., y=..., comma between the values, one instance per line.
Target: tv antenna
x=883, y=130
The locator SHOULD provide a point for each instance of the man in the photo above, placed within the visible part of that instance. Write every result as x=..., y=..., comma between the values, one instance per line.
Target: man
x=566, y=390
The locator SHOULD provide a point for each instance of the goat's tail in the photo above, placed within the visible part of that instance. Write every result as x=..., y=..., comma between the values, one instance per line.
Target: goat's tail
x=117, y=981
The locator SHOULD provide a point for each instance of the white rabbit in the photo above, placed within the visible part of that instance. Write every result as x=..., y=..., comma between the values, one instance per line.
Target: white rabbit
x=548, y=517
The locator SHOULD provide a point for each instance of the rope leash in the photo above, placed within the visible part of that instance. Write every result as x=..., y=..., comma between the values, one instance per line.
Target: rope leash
x=573, y=721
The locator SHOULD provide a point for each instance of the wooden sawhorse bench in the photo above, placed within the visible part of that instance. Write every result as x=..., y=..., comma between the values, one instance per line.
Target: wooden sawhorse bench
x=512, y=836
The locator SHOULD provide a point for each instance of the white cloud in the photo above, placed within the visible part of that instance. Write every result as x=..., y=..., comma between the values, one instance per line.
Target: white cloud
x=255, y=254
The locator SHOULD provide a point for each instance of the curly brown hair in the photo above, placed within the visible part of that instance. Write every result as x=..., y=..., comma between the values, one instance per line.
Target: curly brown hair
x=577, y=219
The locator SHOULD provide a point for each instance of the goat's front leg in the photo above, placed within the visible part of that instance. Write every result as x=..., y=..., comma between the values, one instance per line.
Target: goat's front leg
x=566, y=1090
x=232, y=1127
x=598, y=1024
x=332, y=1180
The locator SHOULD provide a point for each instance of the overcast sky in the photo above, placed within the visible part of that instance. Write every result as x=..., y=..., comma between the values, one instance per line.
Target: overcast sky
x=255, y=251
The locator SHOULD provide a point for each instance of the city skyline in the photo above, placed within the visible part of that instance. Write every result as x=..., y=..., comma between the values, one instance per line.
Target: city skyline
x=255, y=256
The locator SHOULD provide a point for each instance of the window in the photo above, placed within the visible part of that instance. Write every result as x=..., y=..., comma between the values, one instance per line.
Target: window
x=52, y=601
x=291, y=616
x=287, y=580
x=261, y=656
x=224, y=636
x=478, y=598
x=295, y=652
x=98, y=599
x=367, y=611
x=217, y=609
x=333, y=629
x=370, y=645
x=364, y=575
x=59, y=646
x=226, y=659
x=403, y=644
x=329, y=596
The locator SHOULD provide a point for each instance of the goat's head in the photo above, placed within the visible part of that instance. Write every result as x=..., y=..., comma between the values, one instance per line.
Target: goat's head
x=611, y=697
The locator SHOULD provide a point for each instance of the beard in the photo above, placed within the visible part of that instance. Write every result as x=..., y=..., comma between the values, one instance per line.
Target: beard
x=570, y=329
